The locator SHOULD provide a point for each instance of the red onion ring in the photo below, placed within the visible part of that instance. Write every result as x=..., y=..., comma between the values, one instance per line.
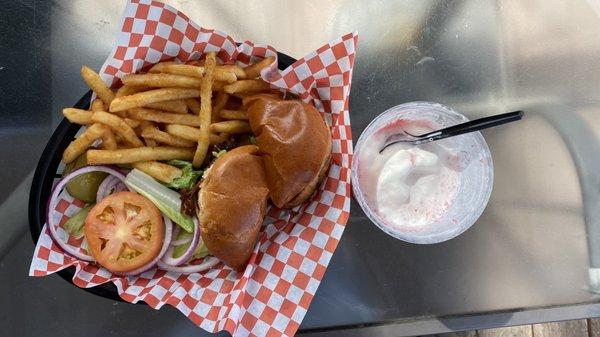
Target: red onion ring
x=209, y=262
x=176, y=261
x=181, y=241
x=163, y=250
x=54, y=201
x=176, y=231
x=108, y=186
x=175, y=234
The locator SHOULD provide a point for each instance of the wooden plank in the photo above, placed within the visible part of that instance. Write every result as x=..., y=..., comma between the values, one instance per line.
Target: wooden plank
x=458, y=334
x=561, y=329
x=513, y=331
x=594, y=327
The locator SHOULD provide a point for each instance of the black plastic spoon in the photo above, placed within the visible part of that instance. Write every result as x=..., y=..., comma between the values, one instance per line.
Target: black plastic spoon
x=455, y=130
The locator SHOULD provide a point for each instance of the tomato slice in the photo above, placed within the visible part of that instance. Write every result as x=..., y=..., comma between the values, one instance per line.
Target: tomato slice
x=124, y=231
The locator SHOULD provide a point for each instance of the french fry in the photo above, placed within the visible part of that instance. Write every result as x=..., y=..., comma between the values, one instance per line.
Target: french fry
x=225, y=73
x=177, y=106
x=145, y=124
x=140, y=129
x=118, y=125
x=109, y=141
x=218, y=138
x=150, y=142
x=119, y=139
x=197, y=63
x=238, y=71
x=161, y=171
x=219, y=85
x=161, y=80
x=253, y=70
x=225, y=76
x=205, y=109
x=159, y=65
x=246, y=86
x=192, y=133
x=194, y=105
x=122, y=114
x=132, y=122
x=183, y=131
x=78, y=116
x=143, y=114
x=126, y=90
x=151, y=96
x=97, y=105
x=230, y=127
x=178, y=69
x=83, y=142
x=220, y=102
x=166, y=138
x=142, y=125
x=233, y=114
x=134, y=155
x=98, y=86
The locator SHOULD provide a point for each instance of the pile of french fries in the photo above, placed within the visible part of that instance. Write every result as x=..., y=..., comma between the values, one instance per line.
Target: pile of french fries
x=174, y=111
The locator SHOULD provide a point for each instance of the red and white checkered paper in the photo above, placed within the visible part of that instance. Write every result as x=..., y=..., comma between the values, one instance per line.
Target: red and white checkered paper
x=271, y=297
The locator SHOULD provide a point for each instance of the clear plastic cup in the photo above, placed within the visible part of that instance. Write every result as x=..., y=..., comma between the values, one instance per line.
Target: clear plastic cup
x=475, y=183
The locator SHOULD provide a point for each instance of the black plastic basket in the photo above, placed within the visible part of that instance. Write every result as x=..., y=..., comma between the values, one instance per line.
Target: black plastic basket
x=46, y=173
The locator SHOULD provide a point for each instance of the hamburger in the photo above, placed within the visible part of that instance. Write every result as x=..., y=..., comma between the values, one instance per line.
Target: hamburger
x=291, y=155
x=231, y=205
x=295, y=144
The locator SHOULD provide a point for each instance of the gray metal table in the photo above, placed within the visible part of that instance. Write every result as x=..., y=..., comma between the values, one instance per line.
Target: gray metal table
x=527, y=258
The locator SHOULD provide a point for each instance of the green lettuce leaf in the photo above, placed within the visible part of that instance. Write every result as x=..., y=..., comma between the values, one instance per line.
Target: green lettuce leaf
x=164, y=198
x=74, y=226
x=188, y=178
x=200, y=252
x=218, y=154
x=179, y=250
